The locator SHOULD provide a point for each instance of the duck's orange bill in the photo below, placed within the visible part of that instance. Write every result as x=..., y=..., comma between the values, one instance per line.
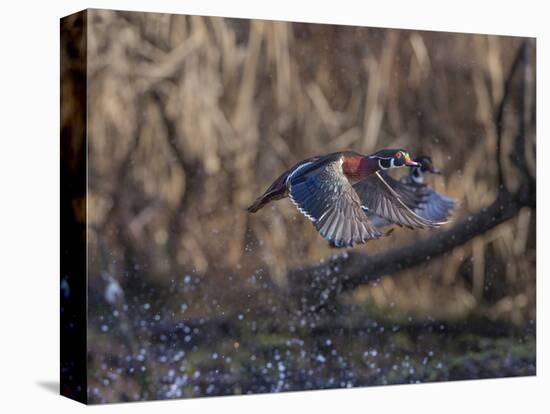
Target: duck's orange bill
x=411, y=163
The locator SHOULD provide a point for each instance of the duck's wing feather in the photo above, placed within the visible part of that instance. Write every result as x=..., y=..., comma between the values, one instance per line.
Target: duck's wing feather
x=413, y=195
x=429, y=204
x=323, y=194
x=435, y=206
x=379, y=198
x=411, y=198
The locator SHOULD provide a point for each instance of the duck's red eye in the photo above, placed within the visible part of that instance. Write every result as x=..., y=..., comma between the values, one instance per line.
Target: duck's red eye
x=398, y=155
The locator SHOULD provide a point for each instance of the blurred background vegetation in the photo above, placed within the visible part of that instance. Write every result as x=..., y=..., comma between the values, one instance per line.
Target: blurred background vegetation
x=190, y=118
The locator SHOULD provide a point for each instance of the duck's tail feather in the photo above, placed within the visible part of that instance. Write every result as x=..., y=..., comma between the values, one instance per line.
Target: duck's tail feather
x=257, y=204
x=266, y=198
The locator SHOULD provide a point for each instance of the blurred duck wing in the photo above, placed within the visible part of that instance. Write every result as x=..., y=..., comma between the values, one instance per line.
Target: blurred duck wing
x=428, y=203
x=435, y=207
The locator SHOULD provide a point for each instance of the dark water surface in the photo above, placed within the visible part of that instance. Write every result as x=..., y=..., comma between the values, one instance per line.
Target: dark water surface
x=241, y=356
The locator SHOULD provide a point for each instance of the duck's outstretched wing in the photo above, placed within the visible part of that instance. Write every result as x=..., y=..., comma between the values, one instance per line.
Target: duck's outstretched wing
x=324, y=195
x=413, y=195
x=435, y=206
x=424, y=201
x=379, y=198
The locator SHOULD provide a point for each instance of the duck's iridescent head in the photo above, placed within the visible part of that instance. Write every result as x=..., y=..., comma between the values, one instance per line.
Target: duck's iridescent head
x=394, y=158
x=426, y=164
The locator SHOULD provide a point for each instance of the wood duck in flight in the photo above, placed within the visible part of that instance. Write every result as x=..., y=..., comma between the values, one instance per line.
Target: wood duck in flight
x=336, y=191
x=426, y=202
